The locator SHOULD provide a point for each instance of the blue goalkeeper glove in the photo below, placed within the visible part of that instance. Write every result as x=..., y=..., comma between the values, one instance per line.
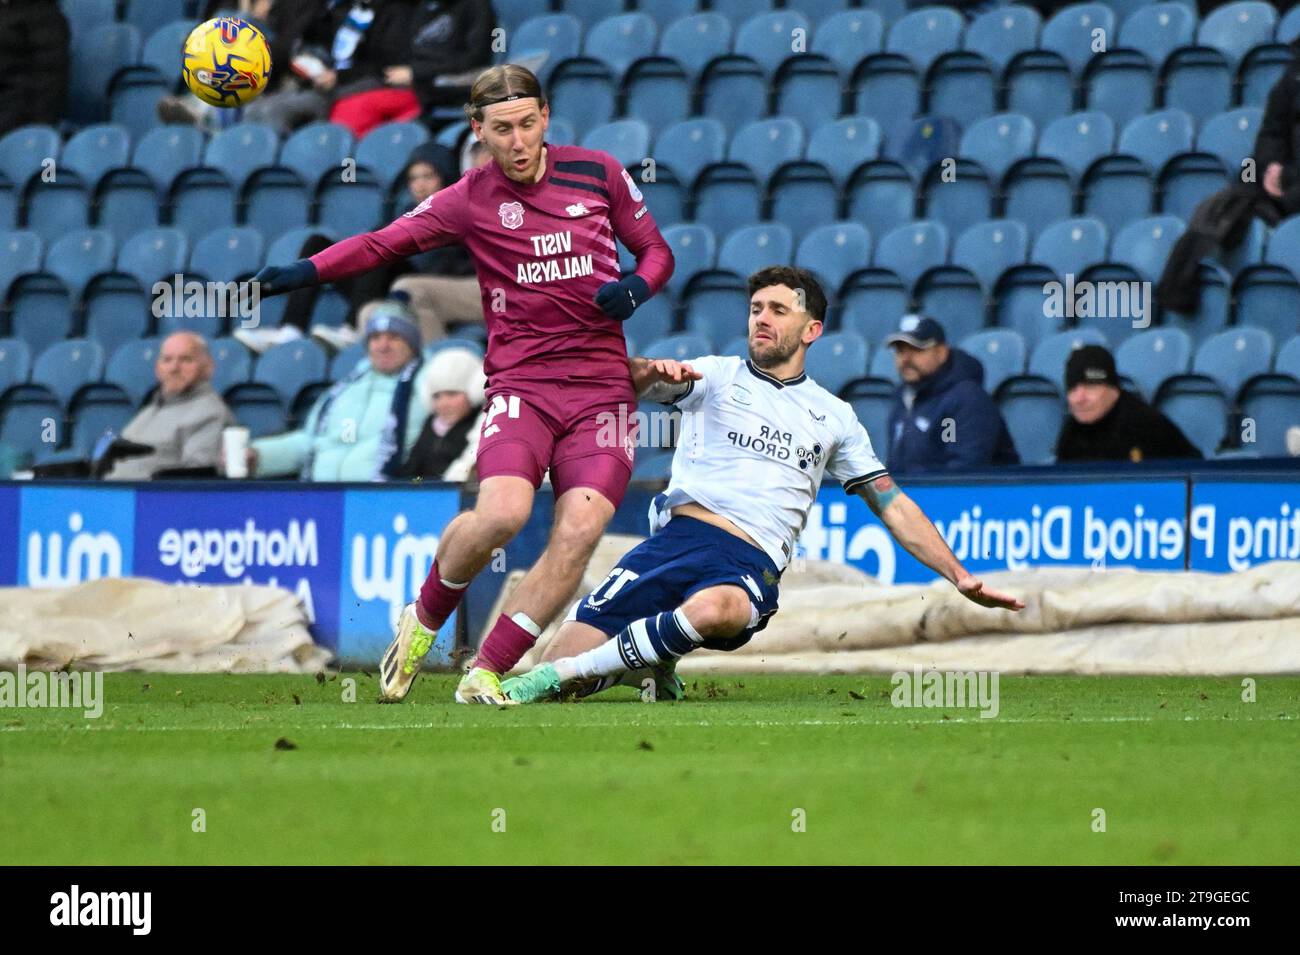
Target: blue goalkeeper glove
x=620, y=299
x=278, y=279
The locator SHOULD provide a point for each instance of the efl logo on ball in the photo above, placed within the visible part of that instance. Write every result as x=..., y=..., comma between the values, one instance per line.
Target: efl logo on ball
x=226, y=62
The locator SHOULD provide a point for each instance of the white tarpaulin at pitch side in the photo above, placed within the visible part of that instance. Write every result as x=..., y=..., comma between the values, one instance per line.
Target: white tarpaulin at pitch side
x=833, y=618
x=137, y=624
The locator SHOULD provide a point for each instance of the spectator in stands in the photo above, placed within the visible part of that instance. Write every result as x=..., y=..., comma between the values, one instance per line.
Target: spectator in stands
x=1106, y=423
x=1271, y=192
x=371, y=60
x=452, y=388
x=362, y=428
x=451, y=44
x=36, y=61
x=942, y=419
x=183, y=419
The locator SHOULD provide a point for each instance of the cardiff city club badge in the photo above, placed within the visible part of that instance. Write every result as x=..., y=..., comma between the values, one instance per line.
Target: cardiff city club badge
x=512, y=214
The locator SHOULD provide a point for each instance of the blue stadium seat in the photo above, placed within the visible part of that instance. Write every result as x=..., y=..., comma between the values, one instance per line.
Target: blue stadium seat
x=240, y=150
x=694, y=249
x=1213, y=310
x=627, y=140
x=275, y=201
x=696, y=40
x=835, y=251
x=133, y=104
x=881, y=195
x=162, y=47
x=24, y=416
x=1077, y=140
x=1145, y=245
x=1038, y=192
x=511, y=13
x=258, y=408
x=1158, y=29
x=871, y=400
x=232, y=362
x=845, y=144
x=837, y=358
x=331, y=308
x=687, y=147
x=803, y=196
x=1197, y=406
x=1231, y=137
x=1272, y=402
x=57, y=207
x=350, y=208
x=1000, y=351
x=887, y=87
x=1149, y=357
x=40, y=310
x=990, y=248
x=149, y=15
x=585, y=92
x=290, y=367
x=809, y=89
x=738, y=11
x=591, y=12
x=954, y=297
x=654, y=319
x=680, y=347
x=1121, y=84
x=167, y=151
x=202, y=200
x=733, y=90
x=1050, y=355
x=911, y=249
x=1199, y=81
x=1187, y=180
x=317, y=150
x=1234, y=28
x=98, y=409
x=227, y=254
x=22, y=252
x=658, y=92
x=288, y=248
x=1019, y=303
x=77, y=256
x=15, y=363
x=116, y=309
x=959, y=196
x=754, y=247
x=652, y=464
x=153, y=254
x=548, y=39
x=1069, y=33
x=386, y=149
x=83, y=15
x=926, y=34
x=1268, y=295
x=884, y=367
x=95, y=150
x=738, y=347
x=715, y=304
x=1071, y=245
x=1288, y=358
x=8, y=206
x=964, y=87
x=922, y=142
x=25, y=151
x=845, y=38
x=1034, y=412
x=998, y=142
x=108, y=48
x=1039, y=86
x=620, y=40
x=1288, y=28
x=1157, y=137
x=1233, y=357
x=1002, y=33
x=872, y=302
x=727, y=196
x=131, y=367
x=1118, y=189
x=67, y=366
x=343, y=363
x=126, y=202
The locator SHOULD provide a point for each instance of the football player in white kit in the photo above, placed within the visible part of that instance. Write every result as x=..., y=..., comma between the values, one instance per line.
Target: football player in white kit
x=757, y=435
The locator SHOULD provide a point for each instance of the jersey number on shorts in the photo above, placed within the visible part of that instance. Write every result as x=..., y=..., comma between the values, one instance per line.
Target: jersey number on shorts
x=507, y=403
x=611, y=585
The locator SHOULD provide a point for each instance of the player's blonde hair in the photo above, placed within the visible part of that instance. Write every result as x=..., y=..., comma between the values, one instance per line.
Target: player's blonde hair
x=498, y=84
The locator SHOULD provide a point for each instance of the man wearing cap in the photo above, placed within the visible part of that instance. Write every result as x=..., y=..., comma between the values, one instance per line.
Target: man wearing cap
x=1106, y=423
x=942, y=419
x=363, y=427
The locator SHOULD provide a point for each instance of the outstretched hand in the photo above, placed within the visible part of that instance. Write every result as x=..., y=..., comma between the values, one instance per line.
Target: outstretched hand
x=671, y=371
x=973, y=589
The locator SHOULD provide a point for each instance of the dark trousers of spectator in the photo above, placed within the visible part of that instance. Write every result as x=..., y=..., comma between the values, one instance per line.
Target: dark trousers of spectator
x=35, y=56
x=359, y=289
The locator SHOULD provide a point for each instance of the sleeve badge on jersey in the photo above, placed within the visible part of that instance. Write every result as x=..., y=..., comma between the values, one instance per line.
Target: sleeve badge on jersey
x=512, y=214
x=631, y=187
x=424, y=204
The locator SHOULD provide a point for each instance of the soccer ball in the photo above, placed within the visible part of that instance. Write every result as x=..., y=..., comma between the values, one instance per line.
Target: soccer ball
x=226, y=62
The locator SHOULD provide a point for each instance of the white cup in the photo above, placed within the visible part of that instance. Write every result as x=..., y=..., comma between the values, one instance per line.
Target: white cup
x=234, y=448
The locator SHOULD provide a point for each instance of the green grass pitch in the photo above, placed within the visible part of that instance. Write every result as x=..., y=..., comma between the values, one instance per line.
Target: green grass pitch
x=286, y=771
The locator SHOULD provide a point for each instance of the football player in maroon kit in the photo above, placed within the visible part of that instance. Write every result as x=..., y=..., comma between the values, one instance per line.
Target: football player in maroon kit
x=540, y=223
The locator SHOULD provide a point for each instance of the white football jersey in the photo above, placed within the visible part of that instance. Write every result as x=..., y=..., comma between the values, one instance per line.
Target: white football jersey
x=753, y=449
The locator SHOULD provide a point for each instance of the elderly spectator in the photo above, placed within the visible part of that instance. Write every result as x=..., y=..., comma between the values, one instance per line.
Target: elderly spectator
x=452, y=388
x=1106, y=423
x=183, y=419
x=942, y=419
x=361, y=429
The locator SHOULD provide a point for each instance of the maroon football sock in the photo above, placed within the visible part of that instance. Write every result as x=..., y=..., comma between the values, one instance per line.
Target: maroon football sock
x=437, y=600
x=504, y=646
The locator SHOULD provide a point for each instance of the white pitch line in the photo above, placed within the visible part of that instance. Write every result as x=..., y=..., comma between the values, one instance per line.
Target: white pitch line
x=647, y=726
